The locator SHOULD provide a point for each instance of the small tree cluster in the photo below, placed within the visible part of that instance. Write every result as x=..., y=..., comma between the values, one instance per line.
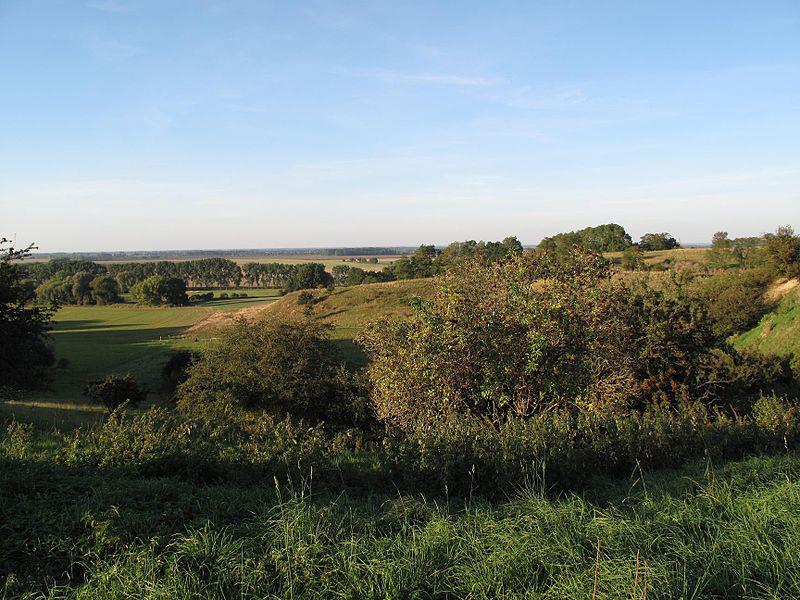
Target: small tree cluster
x=158, y=290
x=658, y=241
x=81, y=288
x=286, y=367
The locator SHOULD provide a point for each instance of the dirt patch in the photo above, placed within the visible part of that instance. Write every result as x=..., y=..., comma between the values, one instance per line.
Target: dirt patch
x=777, y=291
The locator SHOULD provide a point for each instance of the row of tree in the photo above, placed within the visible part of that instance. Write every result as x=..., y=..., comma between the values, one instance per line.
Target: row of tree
x=607, y=238
x=206, y=272
x=81, y=288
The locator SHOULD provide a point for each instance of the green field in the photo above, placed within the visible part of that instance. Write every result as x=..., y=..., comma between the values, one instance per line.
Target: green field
x=124, y=338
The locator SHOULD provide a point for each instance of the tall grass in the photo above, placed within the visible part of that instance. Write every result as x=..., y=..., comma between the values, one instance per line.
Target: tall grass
x=729, y=532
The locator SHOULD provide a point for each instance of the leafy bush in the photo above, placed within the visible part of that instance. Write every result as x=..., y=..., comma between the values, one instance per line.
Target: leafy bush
x=115, y=390
x=176, y=370
x=734, y=299
x=279, y=365
x=545, y=330
x=201, y=297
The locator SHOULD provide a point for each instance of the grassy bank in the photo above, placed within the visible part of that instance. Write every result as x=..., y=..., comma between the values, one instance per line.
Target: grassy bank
x=727, y=531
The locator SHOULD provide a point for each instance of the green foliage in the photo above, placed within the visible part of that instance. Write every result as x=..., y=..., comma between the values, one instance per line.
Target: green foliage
x=280, y=365
x=602, y=238
x=115, y=390
x=551, y=330
x=734, y=299
x=25, y=352
x=783, y=250
x=159, y=290
x=105, y=290
x=156, y=506
x=740, y=252
x=632, y=259
x=658, y=241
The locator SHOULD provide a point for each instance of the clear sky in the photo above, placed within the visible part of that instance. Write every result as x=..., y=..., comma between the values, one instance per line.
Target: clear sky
x=167, y=124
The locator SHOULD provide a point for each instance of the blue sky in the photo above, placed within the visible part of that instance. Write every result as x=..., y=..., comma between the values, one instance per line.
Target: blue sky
x=207, y=124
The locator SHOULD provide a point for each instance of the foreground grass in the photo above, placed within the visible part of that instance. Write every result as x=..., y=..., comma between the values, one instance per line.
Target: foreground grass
x=726, y=531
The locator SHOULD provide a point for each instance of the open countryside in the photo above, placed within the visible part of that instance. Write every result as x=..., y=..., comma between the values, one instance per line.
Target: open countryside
x=399, y=300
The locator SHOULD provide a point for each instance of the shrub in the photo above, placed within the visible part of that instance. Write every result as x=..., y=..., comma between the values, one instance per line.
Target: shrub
x=734, y=299
x=201, y=297
x=176, y=370
x=279, y=365
x=548, y=330
x=115, y=390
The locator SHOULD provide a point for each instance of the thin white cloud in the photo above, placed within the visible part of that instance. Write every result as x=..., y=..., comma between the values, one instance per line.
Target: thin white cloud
x=399, y=77
x=109, y=6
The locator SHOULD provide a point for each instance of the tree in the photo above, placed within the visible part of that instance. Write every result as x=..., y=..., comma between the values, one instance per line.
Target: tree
x=25, y=352
x=148, y=291
x=82, y=288
x=157, y=290
x=105, y=290
x=173, y=291
x=115, y=390
x=658, y=241
x=309, y=276
x=602, y=238
x=783, y=250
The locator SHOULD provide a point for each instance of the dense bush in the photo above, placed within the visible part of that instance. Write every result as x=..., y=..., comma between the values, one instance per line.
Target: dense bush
x=201, y=297
x=550, y=329
x=115, y=390
x=279, y=365
x=734, y=299
x=783, y=250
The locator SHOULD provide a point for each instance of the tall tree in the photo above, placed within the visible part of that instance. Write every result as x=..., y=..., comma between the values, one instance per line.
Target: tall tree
x=25, y=352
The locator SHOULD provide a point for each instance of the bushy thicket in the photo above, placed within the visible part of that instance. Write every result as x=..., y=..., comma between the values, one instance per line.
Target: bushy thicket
x=734, y=299
x=548, y=330
x=81, y=288
x=285, y=367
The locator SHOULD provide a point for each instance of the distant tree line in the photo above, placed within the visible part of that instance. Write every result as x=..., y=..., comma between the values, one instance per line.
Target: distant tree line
x=205, y=272
x=155, y=255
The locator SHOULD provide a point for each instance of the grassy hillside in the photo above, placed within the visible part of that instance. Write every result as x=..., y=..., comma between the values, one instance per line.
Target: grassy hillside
x=778, y=332
x=348, y=309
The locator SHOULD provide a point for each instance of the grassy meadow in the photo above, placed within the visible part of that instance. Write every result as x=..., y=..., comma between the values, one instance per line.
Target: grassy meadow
x=121, y=338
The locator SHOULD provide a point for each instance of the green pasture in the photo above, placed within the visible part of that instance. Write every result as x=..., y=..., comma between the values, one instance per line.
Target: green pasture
x=122, y=338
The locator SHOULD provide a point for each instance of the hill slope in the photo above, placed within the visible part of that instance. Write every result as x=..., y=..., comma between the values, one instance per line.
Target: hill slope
x=347, y=309
x=778, y=332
